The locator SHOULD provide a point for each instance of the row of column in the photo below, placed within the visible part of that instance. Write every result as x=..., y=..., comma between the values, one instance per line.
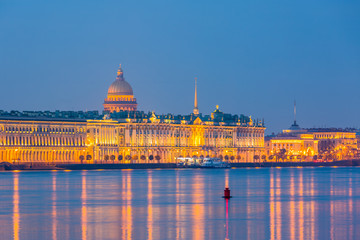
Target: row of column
x=197, y=137
x=41, y=141
x=106, y=136
x=44, y=156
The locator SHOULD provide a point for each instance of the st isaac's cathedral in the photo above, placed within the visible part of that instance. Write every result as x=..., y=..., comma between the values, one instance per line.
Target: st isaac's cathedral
x=122, y=134
x=120, y=95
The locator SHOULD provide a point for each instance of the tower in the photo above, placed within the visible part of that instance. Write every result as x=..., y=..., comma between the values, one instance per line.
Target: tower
x=295, y=126
x=196, y=109
x=295, y=112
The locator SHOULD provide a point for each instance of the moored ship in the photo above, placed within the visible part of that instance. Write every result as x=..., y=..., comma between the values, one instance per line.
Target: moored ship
x=189, y=162
x=214, y=163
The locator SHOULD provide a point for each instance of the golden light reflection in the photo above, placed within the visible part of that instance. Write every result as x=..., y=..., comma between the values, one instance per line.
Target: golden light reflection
x=83, y=207
x=198, y=208
x=332, y=209
x=350, y=210
x=278, y=207
x=126, y=211
x=292, y=207
x=178, y=236
x=301, y=205
x=227, y=179
x=123, y=208
x=272, y=207
x=150, y=207
x=129, y=208
x=53, y=198
x=248, y=209
x=312, y=207
x=16, y=213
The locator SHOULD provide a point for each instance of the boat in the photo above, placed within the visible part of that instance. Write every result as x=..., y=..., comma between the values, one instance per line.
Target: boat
x=188, y=162
x=214, y=163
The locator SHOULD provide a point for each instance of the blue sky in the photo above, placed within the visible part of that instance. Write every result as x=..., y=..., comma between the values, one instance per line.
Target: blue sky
x=251, y=57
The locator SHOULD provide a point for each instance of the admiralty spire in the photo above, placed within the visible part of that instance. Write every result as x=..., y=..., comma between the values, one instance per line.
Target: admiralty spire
x=196, y=109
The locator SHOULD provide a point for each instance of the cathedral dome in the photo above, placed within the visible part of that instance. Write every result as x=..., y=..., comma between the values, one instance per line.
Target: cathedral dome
x=120, y=95
x=120, y=86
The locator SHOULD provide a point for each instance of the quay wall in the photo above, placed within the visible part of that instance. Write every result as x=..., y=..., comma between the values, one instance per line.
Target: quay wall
x=5, y=166
x=354, y=162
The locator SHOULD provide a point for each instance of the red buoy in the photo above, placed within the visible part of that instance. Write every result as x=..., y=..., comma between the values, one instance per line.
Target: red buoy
x=227, y=193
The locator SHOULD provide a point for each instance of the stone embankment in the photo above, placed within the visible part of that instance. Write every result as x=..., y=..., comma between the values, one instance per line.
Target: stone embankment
x=116, y=166
x=5, y=166
x=354, y=162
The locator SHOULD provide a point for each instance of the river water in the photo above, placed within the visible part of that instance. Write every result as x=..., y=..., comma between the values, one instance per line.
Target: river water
x=267, y=203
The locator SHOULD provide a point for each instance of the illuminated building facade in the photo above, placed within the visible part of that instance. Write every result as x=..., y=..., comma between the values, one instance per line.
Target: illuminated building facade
x=123, y=135
x=335, y=143
x=292, y=144
x=130, y=137
x=323, y=144
x=30, y=140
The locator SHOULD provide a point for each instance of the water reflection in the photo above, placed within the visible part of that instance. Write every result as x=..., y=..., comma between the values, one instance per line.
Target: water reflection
x=178, y=206
x=227, y=207
x=293, y=218
x=150, y=207
x=278, y=219
x=350, y=208
x=301, y=205
x=292, y=207
x=275, y=205
x=198, y=207
x=227, y=220
x=127, y=207
x=272, y=206
x=312, y=207
x=83, y=207
x=53, y=198
x=226, y=179
x=284, y=203
x=16, y=212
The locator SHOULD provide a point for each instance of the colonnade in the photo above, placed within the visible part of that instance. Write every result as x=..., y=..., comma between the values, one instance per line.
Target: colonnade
x=41, y=140
x=188, y=136
x=40, y=155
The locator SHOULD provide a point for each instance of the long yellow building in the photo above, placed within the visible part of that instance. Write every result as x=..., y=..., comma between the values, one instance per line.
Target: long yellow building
x=320, y=144
x=123, y=135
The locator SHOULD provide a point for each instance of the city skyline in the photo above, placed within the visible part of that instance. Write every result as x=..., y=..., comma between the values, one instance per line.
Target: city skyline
x=179, y=119
x=67, y=63
x=200, y=112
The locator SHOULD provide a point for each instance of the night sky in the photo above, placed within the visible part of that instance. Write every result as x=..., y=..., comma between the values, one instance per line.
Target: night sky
x=251, y=57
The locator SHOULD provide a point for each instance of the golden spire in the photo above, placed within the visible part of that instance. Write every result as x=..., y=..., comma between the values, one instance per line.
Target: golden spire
x=294, y=112
x=196, y=110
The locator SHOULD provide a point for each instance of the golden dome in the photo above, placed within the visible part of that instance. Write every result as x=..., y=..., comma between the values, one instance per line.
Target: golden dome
x=120, y=95
x=120, y=86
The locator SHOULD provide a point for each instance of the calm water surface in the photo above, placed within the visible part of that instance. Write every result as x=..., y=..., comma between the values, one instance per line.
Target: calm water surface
x=276, y=203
